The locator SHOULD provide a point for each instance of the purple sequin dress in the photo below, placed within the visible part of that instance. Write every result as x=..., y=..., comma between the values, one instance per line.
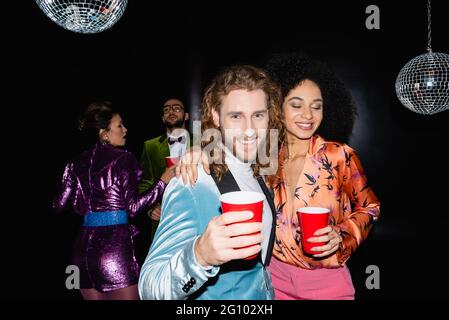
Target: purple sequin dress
x=105, y=178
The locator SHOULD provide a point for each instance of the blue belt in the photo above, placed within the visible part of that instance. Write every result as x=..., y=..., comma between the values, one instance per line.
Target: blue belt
x=105, y=218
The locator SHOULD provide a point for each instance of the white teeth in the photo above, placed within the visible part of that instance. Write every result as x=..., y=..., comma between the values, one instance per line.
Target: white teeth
x=305, y=125
x=248, y=141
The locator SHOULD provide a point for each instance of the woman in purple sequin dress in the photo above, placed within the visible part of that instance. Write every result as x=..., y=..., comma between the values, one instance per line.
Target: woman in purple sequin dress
x=102, y=185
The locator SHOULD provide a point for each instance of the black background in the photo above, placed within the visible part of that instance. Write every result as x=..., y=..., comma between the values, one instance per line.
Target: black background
x=158, y=49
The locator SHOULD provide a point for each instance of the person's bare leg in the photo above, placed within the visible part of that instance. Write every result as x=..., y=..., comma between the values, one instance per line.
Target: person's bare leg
x=92, y=294
x=128, y=293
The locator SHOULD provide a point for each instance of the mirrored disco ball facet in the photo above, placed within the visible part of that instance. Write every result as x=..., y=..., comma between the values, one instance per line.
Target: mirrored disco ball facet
x=84, y=16
x=423, y=83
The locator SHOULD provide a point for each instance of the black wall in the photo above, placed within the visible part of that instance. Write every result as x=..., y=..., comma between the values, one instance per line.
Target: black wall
x=52, y=74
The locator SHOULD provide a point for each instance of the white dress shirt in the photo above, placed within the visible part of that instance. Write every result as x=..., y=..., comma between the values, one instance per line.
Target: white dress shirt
x=178, y=149
x=243, y=174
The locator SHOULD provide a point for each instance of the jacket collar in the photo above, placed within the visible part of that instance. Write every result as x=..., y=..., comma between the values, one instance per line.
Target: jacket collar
x=316, y=144
x=162, y=138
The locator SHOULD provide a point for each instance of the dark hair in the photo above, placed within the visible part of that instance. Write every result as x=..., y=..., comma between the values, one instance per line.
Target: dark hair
x=97, y=116
x=339, y=111
x=177, y=97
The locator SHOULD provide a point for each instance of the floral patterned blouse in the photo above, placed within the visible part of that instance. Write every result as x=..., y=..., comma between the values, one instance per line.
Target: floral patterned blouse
x=333, y=178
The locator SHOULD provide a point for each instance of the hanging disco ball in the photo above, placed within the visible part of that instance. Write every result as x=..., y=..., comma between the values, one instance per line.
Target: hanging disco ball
x=423, y=83
x=84, y=16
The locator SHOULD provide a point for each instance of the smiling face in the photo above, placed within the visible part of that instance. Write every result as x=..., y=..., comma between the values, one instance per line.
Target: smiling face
x=242, y=114
x=116, y=132
x=303, y=110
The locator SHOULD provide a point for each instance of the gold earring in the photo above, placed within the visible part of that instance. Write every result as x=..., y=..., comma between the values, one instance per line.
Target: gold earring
x=104, y=141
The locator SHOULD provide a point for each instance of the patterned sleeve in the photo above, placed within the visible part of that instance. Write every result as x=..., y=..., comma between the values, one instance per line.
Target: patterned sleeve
x=67, y=190
x=365, y=207
x=130, y=174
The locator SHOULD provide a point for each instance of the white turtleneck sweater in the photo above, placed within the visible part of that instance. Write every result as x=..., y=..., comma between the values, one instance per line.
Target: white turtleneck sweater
x=244, y=177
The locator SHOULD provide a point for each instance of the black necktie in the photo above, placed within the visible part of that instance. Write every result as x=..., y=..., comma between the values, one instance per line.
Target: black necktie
x=181, y=139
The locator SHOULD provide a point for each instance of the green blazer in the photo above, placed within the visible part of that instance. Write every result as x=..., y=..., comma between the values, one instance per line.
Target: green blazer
x=153, y=160
x=153, y=165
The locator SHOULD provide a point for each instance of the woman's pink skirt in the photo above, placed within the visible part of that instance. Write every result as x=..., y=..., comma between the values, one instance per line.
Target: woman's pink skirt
x=294, y=283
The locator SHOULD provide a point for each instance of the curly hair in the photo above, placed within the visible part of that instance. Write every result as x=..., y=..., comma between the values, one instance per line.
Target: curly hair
x=339, y=111
x=233, y=78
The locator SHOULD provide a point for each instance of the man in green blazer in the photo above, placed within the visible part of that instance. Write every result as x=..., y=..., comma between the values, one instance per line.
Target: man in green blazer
x=174, y=142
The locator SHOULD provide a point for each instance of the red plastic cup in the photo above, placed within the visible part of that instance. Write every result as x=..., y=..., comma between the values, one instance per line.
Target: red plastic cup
x=171, y=161
x=244, y=201
x=311, y=219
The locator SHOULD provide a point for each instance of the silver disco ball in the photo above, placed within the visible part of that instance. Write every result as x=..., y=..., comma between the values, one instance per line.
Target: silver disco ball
x=423, y=83
x=84, y=16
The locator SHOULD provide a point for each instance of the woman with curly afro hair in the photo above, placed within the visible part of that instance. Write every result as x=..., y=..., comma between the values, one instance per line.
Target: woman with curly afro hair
x=317, y=169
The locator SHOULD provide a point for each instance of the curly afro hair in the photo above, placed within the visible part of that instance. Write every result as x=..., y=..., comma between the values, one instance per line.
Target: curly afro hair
x=288, y=70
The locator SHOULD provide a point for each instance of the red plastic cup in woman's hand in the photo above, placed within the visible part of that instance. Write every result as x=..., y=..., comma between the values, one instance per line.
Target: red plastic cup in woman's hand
x=244, y=201
x=171, y=161
x=310, y=220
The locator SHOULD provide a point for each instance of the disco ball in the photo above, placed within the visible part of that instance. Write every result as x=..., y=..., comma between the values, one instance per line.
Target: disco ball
x=84, y=16
x=423, y=83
